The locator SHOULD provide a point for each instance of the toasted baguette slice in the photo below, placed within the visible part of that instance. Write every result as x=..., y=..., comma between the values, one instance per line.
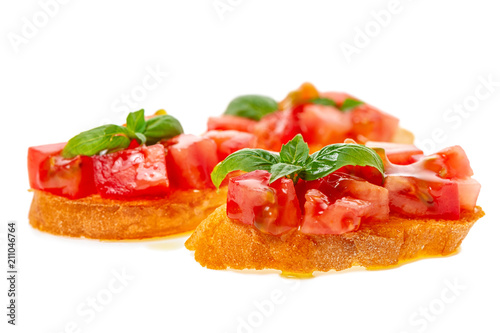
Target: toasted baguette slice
x=106, y=219
x=220, y=243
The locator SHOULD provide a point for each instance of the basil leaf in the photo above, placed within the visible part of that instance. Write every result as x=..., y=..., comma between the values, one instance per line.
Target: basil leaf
x=136, y=121
x=331, y=158
x=350, y=104
x=162, y=127
x=245, y=160
x=91, y=142
x=251, y=106
x=283, y=169
x=324, y=101
x=295, y=151
x=141, y=138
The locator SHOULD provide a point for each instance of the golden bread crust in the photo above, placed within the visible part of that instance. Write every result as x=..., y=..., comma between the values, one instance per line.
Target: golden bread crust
x=107, y=219
x=220, y=243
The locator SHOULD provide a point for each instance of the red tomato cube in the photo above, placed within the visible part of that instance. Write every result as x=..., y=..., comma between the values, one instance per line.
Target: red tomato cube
x=231, y=123
x=324, y=218
x=468, y=191
x=132, y=173
x=277, y=128
x=372, y=124
x=190, y=161
x=423, y=197
x=250, y=199
x=322, y=125
x=230, y=141
x=398, y=153
x=289, y=214
x=449, y=163
x=337, y=186
x=49, y=171
x=273, y=209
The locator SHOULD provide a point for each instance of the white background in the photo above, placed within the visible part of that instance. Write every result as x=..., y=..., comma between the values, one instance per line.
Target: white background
x=70, y=75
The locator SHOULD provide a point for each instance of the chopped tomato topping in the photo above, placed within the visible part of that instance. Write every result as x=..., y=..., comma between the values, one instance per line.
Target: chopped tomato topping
x=277, y=128
x=437, y=186
x=190, y=160
x=322, y=125
x=230, y=141
x=449, y=163
x=468, y=190
x=398, y=153
x=372, y=124
x=271, y=208
x=338, y=185
x=324, y=218
x=417, y=196
x=231, y=123
x=49, y=171
x=250, y=199
x=132, y=172
x=289, y=214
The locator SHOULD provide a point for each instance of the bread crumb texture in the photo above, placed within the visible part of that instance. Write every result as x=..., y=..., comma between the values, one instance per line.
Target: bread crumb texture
x=221, y=243
x=107, y=219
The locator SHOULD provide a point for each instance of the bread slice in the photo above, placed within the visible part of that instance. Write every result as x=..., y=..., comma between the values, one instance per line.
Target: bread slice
x=107, y=219
x=220, y=243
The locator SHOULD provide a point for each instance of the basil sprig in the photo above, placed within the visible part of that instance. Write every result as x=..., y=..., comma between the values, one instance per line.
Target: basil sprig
x=111, y=138
x=350, y=103
x=294, y=161
x=161, y=127
x=347, y=105
x=251, y=106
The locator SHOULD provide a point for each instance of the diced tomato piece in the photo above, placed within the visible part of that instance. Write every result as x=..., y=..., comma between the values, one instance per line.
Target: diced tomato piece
x=376, y=195
x=131, y=173
x=277, y=128
x=230, y=141
x=231, y=123
x=322, y=125
x=437, y=186
x=251, y=199
x=418, y=197
x=324, y=218
x=337, y=97
x=190, y=161
x=289, y=214
x=398, y=153
x=372, y=124
x=271, y=208
x=468, y=191
x=48, y=171
x=449, y=163
x=338, y=185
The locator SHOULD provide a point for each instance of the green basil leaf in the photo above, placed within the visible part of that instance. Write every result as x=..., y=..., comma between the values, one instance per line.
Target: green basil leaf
x=350, y=104
x=251, y=106
x=162, y=127
x=283, y=169
x=141, y=138
x=295, y=151
x=136, y=121
x=324, y=101
x=245, y=160
x=331, y=158
x=91, y=142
